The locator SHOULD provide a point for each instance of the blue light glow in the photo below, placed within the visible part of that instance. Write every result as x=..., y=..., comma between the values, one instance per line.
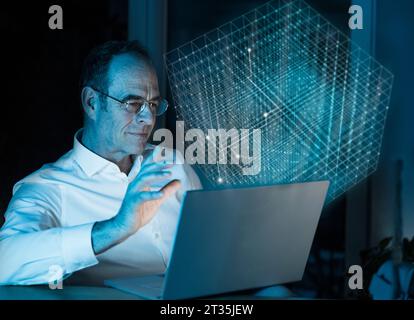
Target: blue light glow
x=320, y=100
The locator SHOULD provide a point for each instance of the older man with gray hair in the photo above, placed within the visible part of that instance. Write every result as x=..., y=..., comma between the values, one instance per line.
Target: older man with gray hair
x=108, y=207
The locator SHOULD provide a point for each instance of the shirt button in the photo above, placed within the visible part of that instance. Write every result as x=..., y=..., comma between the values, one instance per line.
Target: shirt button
x=156, y=235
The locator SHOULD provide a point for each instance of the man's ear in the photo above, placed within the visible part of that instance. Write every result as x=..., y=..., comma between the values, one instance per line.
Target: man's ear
x=89, y=99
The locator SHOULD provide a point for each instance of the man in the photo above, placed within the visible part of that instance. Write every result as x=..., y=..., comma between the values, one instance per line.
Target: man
x=108, y=207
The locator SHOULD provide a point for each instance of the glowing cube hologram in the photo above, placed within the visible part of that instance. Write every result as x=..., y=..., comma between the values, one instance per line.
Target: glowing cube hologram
x=319, y=99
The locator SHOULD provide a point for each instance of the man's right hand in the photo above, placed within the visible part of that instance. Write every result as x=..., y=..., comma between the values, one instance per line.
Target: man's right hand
x=138, y=207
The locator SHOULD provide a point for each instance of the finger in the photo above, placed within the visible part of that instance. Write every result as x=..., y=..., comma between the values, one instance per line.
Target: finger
x=171, y=188
x=150, y=177
x=155, y=155
x=150, y=195
x=158, y=167
x=155, y=166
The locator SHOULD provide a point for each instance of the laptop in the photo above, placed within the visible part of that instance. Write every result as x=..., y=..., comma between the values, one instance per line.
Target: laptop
x=236, y=239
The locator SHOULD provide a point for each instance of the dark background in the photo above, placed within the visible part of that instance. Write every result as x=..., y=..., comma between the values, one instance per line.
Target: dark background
x=40, y=108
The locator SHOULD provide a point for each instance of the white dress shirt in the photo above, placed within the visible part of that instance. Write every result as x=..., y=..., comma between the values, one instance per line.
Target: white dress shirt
x=50, y=218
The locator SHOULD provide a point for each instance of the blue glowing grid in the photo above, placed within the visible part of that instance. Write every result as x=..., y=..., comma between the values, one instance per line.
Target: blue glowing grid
x=319, y=99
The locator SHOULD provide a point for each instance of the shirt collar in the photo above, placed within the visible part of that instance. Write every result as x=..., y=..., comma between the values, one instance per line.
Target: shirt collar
x=90, y=162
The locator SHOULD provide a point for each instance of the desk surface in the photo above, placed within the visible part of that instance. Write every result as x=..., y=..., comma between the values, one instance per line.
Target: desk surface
x=66, y=293
x=105, y=293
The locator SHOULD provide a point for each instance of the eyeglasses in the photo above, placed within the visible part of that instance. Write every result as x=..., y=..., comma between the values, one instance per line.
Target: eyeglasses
x=136, y=106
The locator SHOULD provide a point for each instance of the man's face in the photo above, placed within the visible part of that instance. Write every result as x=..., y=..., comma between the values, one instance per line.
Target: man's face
x=125, y=133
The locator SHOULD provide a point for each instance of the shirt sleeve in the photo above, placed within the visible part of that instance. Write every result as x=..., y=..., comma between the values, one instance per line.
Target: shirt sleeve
x=33, y=243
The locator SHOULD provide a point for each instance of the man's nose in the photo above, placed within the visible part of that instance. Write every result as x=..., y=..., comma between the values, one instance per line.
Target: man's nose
x=145, y=116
